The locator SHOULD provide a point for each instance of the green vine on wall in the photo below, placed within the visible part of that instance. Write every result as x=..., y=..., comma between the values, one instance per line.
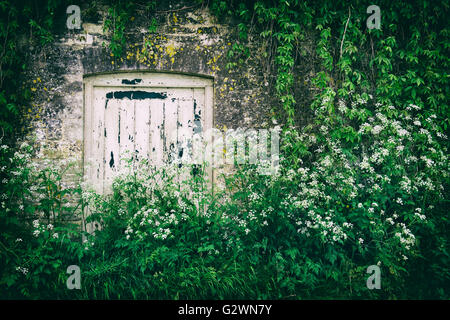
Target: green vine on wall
x=120, y=16
x=355, y=61
x=24, y=25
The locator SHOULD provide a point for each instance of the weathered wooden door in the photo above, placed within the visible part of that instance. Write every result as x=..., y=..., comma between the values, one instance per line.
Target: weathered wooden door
x=146, y=114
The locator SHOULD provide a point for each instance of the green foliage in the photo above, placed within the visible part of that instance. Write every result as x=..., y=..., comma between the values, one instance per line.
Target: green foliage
x=117, y=22
x=365, y=182
x=120, y=15
x=309, y=231
x=37, y=237
x=399, y=71
x=403, y=63
x=19, y=18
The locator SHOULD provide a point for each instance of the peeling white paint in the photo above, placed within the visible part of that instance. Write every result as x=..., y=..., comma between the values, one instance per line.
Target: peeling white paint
x=152, y=119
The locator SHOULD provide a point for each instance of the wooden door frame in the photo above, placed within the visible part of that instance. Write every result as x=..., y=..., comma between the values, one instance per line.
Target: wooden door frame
x=135, y=79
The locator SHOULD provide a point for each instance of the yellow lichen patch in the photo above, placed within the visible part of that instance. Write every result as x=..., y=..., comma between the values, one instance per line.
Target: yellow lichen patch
x=154, y=50
x=170, y=50
x=212, y=62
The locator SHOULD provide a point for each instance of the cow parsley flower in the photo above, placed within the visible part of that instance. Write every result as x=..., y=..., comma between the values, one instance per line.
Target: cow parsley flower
x=22, y=269
x=377, y=129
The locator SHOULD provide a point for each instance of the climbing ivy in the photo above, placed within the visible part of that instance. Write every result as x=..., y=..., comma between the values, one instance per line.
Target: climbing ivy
x=119, y=16
x=24, y=25
x=405, y=62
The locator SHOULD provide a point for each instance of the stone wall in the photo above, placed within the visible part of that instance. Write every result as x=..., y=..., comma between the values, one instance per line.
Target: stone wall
x=188, y=39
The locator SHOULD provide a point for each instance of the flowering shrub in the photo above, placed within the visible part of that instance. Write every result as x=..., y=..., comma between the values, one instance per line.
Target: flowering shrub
x=351, y=201
x=37, y=238
x=168, y=235
x=311, y=230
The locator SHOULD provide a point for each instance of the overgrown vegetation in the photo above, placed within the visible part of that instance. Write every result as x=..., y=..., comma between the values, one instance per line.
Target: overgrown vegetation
x=364, y=183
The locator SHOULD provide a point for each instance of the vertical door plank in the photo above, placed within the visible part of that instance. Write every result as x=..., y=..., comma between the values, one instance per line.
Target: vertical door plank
x=142, y=128
x=197, y=143
x=127, y=117
x=112, y=147
x=185, y=126
x=156, y=131
x=170, y=126
x=185, y=131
